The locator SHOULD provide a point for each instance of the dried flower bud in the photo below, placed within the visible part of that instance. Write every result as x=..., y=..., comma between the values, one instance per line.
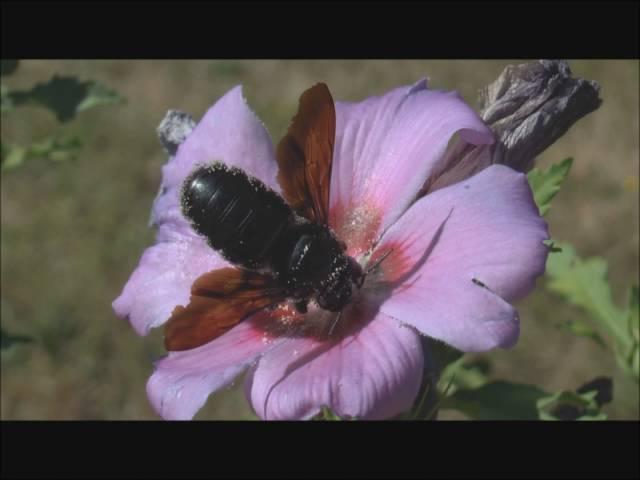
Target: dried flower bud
x=531, y=105
x=528, y=107
x=174, y=129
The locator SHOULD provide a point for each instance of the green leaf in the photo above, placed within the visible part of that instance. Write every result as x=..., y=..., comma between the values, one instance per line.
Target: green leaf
x=430, y=402
x=6, y=104
x=633, y=313
x=581, y=329
x=633, y=326
x=437, y=356
x=98, y=94
x=455, y=372
x=545, y=184
x=421, y=408
x=584, y=283
x=7, y=67
x=7, y=339
x=463, y=374
x=551, y=245
x=66, y=96
x=52, y=149
x=453, y=364
x=473, y=374
x=499, y=400
x=568, y=405
x=603, y=386
x=441, y=353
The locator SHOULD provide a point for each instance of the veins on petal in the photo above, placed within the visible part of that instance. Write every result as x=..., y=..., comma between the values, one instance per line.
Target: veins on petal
x=291, y=367
x=396, y=270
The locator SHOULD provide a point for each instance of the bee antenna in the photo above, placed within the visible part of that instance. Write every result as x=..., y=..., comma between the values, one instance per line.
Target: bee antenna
x=378, y=262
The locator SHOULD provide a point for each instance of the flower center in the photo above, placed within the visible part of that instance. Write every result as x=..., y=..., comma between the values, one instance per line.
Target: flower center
x=390, y=266
x=358, y=227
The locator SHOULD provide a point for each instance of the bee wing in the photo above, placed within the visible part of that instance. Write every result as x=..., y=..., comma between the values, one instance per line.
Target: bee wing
x=219, y=300
x=305, y=155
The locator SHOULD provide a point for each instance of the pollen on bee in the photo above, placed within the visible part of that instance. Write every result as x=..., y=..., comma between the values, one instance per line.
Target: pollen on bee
x=286, y=313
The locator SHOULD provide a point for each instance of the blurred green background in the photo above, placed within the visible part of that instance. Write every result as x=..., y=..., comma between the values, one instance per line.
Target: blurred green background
x=72, y=232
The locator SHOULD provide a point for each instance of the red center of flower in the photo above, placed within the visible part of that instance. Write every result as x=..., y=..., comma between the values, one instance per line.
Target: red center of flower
x=357, y=226
x=285, y=321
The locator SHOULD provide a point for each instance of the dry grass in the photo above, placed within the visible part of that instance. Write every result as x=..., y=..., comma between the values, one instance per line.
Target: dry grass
x=72, y=233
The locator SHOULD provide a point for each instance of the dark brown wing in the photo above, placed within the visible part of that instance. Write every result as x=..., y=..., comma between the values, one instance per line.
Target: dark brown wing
x=305, y=155
x=219, y=300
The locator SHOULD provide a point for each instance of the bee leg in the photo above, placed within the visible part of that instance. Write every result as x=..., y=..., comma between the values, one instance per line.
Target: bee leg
x=301, y=306
x=357, y=275
x=335, y=322
x=378, y=262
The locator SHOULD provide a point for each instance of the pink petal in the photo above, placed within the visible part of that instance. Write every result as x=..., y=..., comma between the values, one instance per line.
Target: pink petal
x=387, y=146
x=460, y=161
x=183, y=381
x=485, y=228
x=230, y=132
x=372, y=374
x=162, y=280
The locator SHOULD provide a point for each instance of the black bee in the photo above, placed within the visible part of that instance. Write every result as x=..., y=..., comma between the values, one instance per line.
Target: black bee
x=283, y=247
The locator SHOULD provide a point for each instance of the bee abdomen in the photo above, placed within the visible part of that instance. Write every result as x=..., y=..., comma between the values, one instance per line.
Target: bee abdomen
x=238, y=214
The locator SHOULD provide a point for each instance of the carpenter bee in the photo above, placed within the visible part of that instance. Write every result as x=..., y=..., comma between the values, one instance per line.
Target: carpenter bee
x=281, y=247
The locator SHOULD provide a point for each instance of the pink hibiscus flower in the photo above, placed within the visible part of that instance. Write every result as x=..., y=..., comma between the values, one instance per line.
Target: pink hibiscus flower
x=458, y=256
